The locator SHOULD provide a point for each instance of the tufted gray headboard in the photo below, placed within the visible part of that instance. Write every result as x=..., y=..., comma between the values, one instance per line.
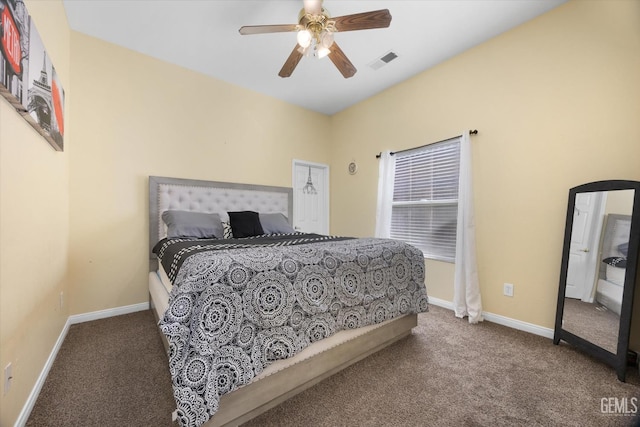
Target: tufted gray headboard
x=211, y=197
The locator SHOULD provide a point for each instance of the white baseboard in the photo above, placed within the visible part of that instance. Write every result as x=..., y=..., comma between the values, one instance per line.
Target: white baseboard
x=35, y=392
x=71, y=320
x=518, y=324
x=441, y=303
x=502, y=320
x=110, y=312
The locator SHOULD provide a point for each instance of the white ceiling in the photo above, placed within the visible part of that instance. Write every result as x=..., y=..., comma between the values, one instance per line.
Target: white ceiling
x=202, y=35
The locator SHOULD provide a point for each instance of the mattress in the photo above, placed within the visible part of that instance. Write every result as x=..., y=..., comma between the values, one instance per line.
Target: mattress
x=609, y=294
x=160, y=286
x=615, y=275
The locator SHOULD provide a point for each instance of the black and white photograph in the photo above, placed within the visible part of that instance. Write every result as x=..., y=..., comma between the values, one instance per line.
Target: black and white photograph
x=27, y=75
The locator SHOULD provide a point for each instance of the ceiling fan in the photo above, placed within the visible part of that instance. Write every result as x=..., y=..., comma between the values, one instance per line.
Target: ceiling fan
x=315, y=30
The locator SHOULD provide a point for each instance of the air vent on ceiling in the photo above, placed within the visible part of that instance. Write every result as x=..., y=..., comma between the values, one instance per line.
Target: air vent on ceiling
x=383, y=60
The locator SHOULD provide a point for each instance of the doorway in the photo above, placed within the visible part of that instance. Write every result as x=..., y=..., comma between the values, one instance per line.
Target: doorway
x=310, y=197
x=583, y=252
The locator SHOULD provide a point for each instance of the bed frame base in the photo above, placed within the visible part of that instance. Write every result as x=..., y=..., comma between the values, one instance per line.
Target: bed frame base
x=152, y=307
x=255, y=398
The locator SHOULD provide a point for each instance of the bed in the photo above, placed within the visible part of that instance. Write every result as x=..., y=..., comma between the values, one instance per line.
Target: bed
x=613, y=253
x=249, y=322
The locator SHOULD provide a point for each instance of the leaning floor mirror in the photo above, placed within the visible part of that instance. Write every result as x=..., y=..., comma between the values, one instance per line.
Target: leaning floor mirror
x=599, y=271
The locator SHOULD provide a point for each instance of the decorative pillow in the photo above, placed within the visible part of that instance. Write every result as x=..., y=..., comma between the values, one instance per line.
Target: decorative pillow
x=623, y=248
x=197, y=225
x=273, y=223
x=616, y=261
x=245, y=224
x=226, y=227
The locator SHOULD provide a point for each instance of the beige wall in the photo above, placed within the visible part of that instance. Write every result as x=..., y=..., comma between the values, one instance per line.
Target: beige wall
x=556, y=102
x=138, y=116
x=619, y=202
x=34, y=229
x=77, y=221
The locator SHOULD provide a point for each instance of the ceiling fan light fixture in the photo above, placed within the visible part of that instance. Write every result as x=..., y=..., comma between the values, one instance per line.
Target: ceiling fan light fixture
x=305, y=51
x=322, y=52
x=326, y=39
x=304, y=38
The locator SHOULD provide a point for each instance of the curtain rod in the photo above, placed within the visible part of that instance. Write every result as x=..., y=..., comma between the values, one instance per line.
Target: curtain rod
x=471, y=132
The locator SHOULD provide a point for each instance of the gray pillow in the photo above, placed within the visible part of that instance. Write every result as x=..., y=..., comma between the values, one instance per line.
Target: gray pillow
x=273, y=223
x=197, y=225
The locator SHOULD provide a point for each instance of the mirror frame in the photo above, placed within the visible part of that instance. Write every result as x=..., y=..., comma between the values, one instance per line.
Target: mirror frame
x=619, y=359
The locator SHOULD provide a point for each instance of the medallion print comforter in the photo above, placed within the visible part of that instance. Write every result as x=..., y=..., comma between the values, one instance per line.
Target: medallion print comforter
x=237, y=305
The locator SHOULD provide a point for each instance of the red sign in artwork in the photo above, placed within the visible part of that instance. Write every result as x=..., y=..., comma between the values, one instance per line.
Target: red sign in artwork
x=57, y=106
x=11, y=41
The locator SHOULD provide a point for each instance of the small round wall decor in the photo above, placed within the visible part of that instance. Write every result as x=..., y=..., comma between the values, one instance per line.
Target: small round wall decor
x=353, y=168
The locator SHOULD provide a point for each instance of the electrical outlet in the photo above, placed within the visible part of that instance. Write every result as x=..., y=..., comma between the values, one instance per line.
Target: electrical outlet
x=8, y=376
x=508, y=289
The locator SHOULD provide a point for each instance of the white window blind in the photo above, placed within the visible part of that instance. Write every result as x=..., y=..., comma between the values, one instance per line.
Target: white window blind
x=425, y=198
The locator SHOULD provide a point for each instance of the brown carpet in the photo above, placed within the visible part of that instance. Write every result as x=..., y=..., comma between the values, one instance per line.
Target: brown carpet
x=113, y=372
x=109, y=372
x=593, y=322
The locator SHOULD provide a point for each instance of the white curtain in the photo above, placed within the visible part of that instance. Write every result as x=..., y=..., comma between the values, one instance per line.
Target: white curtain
x=466, y=288
x=386, y=178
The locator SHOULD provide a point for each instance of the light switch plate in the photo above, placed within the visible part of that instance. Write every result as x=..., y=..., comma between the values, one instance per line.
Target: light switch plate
x=508, y=289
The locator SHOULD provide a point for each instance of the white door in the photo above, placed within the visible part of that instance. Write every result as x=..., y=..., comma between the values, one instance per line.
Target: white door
x=585, y=235
x=310, y=197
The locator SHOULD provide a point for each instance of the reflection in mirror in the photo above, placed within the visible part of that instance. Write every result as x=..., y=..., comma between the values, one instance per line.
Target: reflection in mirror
x=596, y=268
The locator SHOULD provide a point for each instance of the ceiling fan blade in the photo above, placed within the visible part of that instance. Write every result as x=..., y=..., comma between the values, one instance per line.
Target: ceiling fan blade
x=263, y=29
x=363, y=21
x=291, y=63
x=341, y=61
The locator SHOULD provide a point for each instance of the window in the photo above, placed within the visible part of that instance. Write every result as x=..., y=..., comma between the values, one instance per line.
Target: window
x=425, y=198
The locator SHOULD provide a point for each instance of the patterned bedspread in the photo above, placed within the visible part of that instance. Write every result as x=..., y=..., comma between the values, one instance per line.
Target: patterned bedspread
x=238, y=305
